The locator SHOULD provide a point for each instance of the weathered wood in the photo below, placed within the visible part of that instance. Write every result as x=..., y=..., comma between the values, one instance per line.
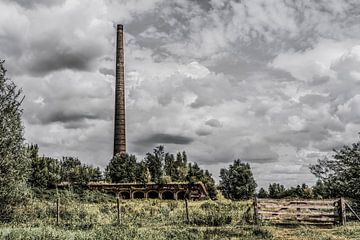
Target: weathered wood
x=187, y=210
x=352, y=210
x=342, y=212
x=57, y=211
x=288, y=222
x=118, y=210
x=291, y=201
x=290, y=211
x=294, y=206
x=256, y=209
x=327, y=214
x=300, y=218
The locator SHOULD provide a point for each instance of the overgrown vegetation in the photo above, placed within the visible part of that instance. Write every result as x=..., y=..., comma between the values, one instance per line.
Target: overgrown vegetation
x=339, y=175
x=158, y=167
x=14, y=163
x=237, y=182
x=92, y=215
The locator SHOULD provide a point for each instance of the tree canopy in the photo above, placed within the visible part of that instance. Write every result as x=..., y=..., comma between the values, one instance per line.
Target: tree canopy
x=159, y=167
x=14, y=163
x=339, y=175
x=237, y=182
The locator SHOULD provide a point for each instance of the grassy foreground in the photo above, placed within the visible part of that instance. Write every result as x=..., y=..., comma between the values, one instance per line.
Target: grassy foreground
x=90, y=215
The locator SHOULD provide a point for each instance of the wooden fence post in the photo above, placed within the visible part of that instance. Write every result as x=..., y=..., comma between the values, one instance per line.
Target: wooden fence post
x=118, y=207
x=342, y=213
x=57, y=211
x=187, y=210
x=256, y=213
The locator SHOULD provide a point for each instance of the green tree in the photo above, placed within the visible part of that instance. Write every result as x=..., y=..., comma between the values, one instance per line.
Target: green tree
x=170, y=166
x=196, y=174
x=14, y=162
x=96, y=175
x=340, y=174
x=70, y=169
x=142, y=174
x=320, y=190
x=122, y=168
x=45, y=172
x=154, y=162
x=181, y=169
x=262, y=193
x=277, y=190
x=209, y=183
x=237, y=182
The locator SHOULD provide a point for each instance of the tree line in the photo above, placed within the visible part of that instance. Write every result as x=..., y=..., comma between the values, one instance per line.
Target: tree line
x=157, y=167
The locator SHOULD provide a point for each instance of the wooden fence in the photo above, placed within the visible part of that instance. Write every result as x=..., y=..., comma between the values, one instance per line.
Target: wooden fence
x=290, y=211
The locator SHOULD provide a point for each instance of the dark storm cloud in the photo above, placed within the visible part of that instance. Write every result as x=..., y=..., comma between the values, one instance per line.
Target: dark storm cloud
x=77, y=124
x=314, y=99
x=204, y=4
x=67, y=117
x=52, y=54
x=162, y=138
x=259, y=153
x=203, y=132
x=213, y=123
x=199, y=102
x=36, y=3
x=107, y=71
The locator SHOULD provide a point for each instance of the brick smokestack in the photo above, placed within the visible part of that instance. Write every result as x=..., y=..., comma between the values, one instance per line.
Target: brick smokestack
x=119, y=128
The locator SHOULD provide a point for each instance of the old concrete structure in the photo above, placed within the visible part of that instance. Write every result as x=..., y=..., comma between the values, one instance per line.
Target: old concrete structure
x=119, y=123
x=170, y=191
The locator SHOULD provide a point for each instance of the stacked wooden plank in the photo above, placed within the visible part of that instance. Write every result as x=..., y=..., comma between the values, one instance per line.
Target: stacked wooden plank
x=290, y=211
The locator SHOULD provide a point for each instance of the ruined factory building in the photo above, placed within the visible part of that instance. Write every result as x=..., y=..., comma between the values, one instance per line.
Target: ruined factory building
x=169, y=191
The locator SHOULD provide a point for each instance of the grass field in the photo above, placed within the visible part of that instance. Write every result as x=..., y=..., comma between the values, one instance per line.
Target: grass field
x=94, y=216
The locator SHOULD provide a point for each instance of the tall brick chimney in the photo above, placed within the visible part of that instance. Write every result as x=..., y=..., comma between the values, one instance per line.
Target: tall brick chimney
x=119, y=128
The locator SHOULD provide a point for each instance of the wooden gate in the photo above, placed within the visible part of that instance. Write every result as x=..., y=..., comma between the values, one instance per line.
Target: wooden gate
x=295, y=211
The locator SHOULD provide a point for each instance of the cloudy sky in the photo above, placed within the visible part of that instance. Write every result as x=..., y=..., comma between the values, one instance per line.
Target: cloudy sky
x=275, y=83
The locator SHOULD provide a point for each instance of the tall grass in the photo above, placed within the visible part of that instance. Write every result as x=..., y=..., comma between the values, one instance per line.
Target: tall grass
x=93, y=215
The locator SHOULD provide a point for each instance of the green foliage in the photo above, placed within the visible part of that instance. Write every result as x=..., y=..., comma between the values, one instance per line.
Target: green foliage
x=303, y=191
x=277, y=190
x=181, y=170
x=14, y=163
x=237, y=182
x=196, y=174
x=142, y=173
x=170, y=166
x=159, y=167
x=262, y=193
x=45, y=171
x=320, y=190
x=154, y=162
x=165, y=180
x=211, y=214
x=122, y=168
x=340, y=174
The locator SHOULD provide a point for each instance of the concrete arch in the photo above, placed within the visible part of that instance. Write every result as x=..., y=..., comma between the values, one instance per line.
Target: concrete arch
x=181, y=195
x=124, y=195
x=138, y=195
x=168, y=195
x=153, y=194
